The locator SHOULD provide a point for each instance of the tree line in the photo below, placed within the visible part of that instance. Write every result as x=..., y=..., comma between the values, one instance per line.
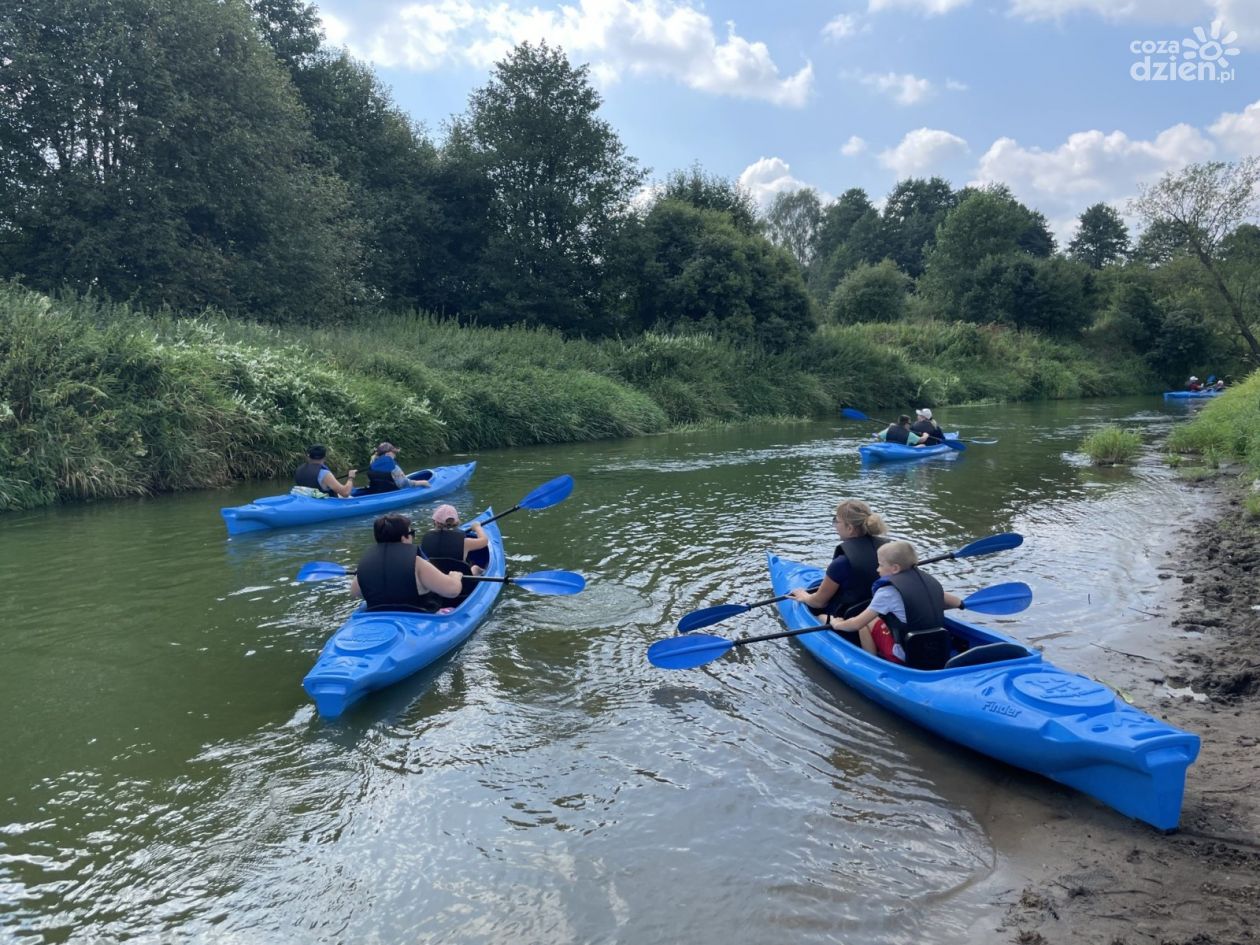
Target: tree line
x=196, y=153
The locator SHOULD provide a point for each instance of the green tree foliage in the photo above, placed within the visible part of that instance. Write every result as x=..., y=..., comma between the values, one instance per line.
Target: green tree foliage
x=291, y=28
x=1202, y=205
x=851, y=233
x=1102, y=238
x=698, y=270
x=792, y=223
x=915, y=208
x=1133, y=318
x=710, y=192
x=1159, y=243
x=871, y=294
x=155, y=149
x=561, y=184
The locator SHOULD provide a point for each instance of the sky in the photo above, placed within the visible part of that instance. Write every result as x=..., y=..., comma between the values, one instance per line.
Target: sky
x=1069, y=102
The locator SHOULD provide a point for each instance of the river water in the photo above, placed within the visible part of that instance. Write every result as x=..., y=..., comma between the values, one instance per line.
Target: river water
x=164, y=777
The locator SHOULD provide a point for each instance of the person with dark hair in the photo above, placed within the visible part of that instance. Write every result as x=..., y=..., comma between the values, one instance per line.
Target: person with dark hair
x=899, y=432
x=385, y=475
x=314, y=478
x=393, y=576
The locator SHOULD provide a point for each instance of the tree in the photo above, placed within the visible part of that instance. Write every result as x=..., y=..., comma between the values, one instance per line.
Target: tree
x=915, y=208
x=1101, y=239
x=711, y=192
x=1203, y=204
x=156, y=150
x=792, y=222
x=871, y=294
x=561, y=184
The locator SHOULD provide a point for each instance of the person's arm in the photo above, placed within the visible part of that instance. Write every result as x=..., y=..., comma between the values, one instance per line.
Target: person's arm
x=854, y=623
x=329, y=481
x=953, y=602
x=915, y=439
x=476, y=544
x=826, y=590
x=430, y=578
x=354, y=587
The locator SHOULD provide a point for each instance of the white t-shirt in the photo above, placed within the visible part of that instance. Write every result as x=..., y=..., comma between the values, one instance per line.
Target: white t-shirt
x=887, y=600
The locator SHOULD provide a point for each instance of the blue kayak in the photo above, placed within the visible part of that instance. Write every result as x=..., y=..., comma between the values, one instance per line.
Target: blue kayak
x=374, y=649
x=1002, y=699
x=1190, y=394
x=286, y=511
x=894, y=452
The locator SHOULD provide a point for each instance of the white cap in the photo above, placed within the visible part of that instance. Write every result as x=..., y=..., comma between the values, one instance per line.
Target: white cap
x=925, y=413
x=1193, y=378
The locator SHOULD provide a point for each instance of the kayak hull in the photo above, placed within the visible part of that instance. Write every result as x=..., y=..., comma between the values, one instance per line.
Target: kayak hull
x=1191, y=394
x=289, y=511
x=375, y=649
x=897, y=452
x=1024, y=711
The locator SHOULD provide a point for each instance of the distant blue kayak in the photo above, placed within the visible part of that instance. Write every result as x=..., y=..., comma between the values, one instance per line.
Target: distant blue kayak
x=1003, y=700
x=1190, y=394
x=287, y=511
x=896, y=452
x=374, y=649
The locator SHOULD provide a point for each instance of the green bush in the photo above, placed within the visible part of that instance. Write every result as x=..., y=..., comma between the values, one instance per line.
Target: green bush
x=1226, y=427
x=1111, y=446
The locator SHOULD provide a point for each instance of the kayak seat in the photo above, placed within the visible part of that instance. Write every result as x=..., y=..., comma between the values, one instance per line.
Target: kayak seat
x=989, y=653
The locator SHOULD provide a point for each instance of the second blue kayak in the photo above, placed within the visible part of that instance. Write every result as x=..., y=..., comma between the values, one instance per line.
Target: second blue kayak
x=1190, y=394
x=286, y=511
x=895, y=452
x=1002, y=699
x=376, y=648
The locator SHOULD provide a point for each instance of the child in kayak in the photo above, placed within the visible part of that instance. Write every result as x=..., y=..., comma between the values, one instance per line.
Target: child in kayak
x=853, y=568
x=904, y=622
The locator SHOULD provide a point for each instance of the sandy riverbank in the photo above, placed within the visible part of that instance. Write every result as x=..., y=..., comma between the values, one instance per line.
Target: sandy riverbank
x=1072, y=871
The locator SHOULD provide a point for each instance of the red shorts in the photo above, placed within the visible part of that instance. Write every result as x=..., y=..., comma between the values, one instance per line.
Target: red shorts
x=884, y=641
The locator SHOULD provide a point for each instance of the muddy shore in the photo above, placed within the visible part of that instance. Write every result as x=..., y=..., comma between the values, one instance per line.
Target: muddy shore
x=1072, y=871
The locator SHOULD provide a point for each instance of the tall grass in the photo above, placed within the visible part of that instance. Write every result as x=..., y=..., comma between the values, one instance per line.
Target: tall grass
x=105, y=400
x=1111, y=446
x=1228, y=426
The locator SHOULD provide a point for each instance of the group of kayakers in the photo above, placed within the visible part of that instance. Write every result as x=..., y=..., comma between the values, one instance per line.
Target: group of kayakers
x=1194, y=384
x=313, y=478
x=875, y=595
x=396, y=573
x=924, y=431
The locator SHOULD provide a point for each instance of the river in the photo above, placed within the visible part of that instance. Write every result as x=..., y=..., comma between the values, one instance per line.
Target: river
x=166, y=779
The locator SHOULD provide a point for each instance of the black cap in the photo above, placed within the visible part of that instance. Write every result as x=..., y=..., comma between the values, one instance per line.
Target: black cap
x=316, y=451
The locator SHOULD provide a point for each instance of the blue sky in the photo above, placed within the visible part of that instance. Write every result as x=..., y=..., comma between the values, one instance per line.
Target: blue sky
x=831, y=95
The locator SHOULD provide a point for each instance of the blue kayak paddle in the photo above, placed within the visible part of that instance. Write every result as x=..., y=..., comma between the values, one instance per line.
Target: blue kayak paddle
x=711, y=615
x=686, y=652
x=548, y=494
x=540, y=582
x=958, y=445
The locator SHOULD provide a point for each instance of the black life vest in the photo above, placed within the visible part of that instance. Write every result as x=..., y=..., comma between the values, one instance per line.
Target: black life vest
x=863, y=572
x=308, y=475
x=896, y=433
x=445, y=548
x=387, y=578
x=381, y=479
x=927, y=428
x=922, y=635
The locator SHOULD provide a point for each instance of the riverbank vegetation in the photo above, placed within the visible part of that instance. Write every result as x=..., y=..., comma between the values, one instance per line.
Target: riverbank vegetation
x=1226, y=428
x=1111, y=446
x=306, y=263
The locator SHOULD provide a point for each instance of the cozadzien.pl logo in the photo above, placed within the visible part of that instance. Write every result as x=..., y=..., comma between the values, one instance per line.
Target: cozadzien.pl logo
x=1203, y=57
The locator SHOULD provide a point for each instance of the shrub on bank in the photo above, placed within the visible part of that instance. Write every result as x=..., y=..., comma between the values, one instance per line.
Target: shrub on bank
x=1111, y=446
x=1226, y=426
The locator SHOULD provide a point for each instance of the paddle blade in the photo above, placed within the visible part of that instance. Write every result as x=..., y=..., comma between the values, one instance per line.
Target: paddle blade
x=986, y=546
x=709, y=616
x=687, y=652
x=1000, y=599
x=549, y=493
x=974, y=441
x=953, y=444
x=320, y=571
x=853, y=414
x=561, y=583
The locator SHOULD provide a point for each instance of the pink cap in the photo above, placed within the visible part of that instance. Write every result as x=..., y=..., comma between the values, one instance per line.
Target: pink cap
x=445, y=514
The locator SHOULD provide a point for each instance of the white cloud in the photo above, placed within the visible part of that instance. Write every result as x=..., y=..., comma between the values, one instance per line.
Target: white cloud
x=922, y=150
x=843, y=26
x=1239, y=132
x=853, y=147
x=617, y=37
x=903, y=87
x=766, y=178
x=1240, y=15
x=335, y=29
x=955, y=86
x=930, y=7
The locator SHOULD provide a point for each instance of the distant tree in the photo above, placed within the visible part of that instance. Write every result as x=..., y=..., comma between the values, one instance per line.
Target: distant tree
x=1101, y=239
x=1203, y=204
x=915, y=208
x=695, y=268
x=863, y=244
x=291, y=27
x=871, y=294
x=1037, y=240
x=838, y=219
x=1159, y=243
x=792, y=222
x=712, y=192
x=155, y=150
x=561, y=184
